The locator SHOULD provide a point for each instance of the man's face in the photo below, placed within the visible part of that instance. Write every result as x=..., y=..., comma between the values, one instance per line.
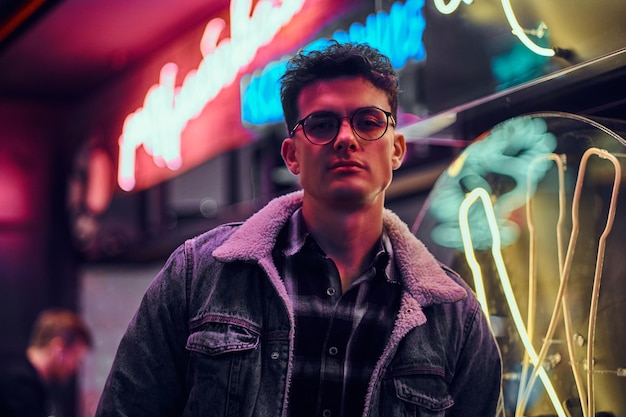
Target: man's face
x=67, y=361
x=349, y=170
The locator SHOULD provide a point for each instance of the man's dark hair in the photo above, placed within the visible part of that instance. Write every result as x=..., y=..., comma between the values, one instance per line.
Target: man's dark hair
x=336, y=60
x=59, y=323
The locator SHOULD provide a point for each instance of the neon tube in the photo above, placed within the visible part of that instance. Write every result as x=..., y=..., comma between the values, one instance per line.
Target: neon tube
x=543, y=352
x=453, y=5
x=483, y=195
x=532, y=282
x=519, y=32
x=595, y=294
x=587, y=398
x=448, y=8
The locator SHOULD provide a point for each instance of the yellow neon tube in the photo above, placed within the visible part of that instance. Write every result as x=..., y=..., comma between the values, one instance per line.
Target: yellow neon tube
x=480, y=193
x=519, y=31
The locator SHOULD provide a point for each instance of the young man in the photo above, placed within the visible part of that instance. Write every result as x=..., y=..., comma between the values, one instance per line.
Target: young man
x=59, y=341
x=322, y=303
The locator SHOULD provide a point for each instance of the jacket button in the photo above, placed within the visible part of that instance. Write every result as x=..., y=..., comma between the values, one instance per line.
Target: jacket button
x=274, y=355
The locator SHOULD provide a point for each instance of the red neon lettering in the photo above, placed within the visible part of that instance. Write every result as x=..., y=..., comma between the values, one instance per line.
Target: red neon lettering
x=167, y=109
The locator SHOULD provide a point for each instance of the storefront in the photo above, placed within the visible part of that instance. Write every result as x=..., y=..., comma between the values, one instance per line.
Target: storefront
x=190, y=139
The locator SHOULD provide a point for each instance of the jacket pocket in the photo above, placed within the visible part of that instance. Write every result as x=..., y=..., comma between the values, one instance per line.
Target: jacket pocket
x=218, y=337
x=423, y=394
x=223, y=366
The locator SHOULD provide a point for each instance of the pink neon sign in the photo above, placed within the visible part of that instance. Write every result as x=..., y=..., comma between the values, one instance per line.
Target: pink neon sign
x=159, y=123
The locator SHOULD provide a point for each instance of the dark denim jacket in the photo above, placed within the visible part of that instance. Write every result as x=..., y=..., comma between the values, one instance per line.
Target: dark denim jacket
x=213, y=335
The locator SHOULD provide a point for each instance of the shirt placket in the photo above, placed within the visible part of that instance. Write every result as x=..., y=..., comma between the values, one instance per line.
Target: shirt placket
x=334, y=347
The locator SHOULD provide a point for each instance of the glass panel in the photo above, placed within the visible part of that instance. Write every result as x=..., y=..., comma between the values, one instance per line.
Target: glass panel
x=531, y=215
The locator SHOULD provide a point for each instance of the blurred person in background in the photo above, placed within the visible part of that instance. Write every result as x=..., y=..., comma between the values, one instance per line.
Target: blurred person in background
x=322, y=303
x=58, y=343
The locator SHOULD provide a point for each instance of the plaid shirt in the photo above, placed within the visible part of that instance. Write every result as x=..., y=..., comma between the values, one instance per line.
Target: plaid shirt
x=339, y=337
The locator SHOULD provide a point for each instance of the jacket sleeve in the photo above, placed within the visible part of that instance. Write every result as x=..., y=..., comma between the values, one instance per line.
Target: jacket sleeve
x=477, y=384
x=147, y=377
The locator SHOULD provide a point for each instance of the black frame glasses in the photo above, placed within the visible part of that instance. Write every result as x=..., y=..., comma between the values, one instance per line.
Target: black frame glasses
x=368, y=123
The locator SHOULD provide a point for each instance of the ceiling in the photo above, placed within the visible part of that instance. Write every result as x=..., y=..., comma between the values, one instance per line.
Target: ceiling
x=64, y=49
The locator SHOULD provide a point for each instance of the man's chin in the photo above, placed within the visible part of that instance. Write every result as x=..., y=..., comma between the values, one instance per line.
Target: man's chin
x=351, y=196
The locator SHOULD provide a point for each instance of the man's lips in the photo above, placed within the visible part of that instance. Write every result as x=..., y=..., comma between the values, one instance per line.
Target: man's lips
x=346, y=164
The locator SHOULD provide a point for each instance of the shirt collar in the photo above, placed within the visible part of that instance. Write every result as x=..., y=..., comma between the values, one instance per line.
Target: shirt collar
x=298, y=235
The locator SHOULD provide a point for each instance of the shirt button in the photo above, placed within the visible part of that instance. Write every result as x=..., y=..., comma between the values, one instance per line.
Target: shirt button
x=326, y=413
x=333, y=350
x=331, y=291
x=274, y=355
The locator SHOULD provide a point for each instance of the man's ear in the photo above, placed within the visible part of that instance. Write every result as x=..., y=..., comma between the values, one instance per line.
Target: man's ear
x=288, y=152
x=399, y=150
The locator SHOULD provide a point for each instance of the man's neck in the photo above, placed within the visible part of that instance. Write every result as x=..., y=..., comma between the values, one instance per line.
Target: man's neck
x=348, y=237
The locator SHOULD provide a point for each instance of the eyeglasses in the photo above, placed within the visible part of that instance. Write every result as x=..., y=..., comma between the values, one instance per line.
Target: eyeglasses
x=321, y=128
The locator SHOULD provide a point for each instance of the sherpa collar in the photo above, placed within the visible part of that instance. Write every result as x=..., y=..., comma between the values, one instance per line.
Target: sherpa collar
x=421, y=274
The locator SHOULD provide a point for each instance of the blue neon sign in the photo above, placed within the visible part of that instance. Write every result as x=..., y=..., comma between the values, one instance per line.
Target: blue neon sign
x=397, y=34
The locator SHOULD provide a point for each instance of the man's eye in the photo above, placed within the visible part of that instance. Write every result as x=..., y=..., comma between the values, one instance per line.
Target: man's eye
x=321, y=123
x=369, y=122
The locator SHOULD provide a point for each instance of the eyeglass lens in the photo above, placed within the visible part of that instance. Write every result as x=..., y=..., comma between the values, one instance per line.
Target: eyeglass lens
x=367, y=123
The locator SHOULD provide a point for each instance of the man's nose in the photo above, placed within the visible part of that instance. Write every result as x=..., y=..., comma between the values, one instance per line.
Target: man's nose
x=345, y=135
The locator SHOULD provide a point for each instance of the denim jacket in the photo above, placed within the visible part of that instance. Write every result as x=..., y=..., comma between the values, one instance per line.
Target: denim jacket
x=214, y=334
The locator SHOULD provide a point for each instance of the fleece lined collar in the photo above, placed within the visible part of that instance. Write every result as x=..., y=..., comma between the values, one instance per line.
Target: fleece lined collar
x=421, y=275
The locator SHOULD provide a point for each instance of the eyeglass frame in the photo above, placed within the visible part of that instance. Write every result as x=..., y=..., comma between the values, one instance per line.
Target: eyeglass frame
x=340, y=118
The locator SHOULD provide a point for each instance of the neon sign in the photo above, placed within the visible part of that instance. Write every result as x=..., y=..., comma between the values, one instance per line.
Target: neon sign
x=397, y=34
x=453, y=5
x=484, y=196
x=167, y=109
x=586, y=394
